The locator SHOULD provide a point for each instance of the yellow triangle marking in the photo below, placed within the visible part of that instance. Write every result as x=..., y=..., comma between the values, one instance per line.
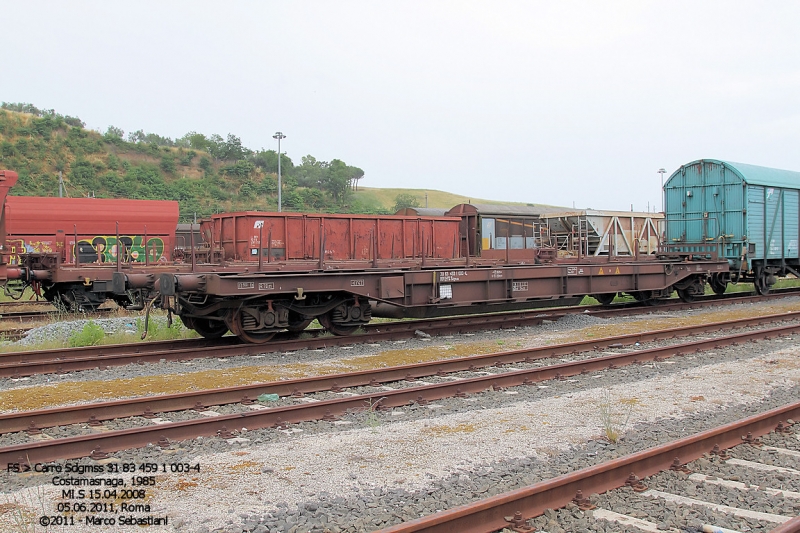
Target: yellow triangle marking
x=601, y=272
x=617, y=272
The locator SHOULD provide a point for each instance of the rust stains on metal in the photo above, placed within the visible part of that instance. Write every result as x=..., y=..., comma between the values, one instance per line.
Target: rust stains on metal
x=583, y=502
x=492, y=513
x=719, y=452
x=518, y=523
x=751, y=440
x=635, y=483
x=677, y=466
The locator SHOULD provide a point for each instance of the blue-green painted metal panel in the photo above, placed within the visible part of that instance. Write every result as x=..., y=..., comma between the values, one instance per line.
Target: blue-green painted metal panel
x=756, y=214
x=773, y=199
x=764, y=176
x=734, y=205
x=791, y=211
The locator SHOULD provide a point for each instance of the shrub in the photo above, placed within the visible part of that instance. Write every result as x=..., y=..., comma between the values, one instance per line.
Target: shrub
x=158, y=330
x=113, y=162
x=186, y=159
x=168, y=164
x=90, y=335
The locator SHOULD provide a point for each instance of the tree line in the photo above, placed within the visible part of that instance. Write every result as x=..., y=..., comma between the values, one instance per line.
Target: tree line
x=231, y=176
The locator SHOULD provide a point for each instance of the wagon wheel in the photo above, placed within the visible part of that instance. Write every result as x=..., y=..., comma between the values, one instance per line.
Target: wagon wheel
x=718, y=284
x=298, y=322
x=336, y=329
x=605, y=298
x=207, y=328
x=235, y=321
x=642, y=296
x=685, y=295
x=646, y=298
x=761, y=283
x=70, y=301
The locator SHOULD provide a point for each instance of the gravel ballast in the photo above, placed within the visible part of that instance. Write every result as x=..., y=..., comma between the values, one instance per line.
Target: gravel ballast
x=374, y=469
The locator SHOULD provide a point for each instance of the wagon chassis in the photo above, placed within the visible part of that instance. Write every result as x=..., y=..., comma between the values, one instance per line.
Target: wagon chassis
x=255, y=305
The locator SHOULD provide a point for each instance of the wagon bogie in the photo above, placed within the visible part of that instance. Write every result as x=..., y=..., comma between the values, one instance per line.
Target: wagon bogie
x=347, y=317
x=73, y=298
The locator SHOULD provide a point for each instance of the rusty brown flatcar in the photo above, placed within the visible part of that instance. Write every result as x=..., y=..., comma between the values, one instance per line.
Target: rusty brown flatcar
x=259, y=273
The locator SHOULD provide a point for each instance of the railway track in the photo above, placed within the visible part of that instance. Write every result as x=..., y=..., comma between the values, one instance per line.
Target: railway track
x=677, y=459
x=283, y=448
x=147, y=406
x=397, y=386
x=18, y=303
x=23, y=317
x=19, y=364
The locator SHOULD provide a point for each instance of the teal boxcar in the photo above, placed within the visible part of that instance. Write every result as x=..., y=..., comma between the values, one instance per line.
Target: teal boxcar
x=749, y=215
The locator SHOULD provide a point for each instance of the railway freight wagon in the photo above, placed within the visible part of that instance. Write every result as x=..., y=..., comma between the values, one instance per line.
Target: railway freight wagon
x=41, y=233
x=747, y=214
x=51, y=225
x=329, y=239
x=263, y=273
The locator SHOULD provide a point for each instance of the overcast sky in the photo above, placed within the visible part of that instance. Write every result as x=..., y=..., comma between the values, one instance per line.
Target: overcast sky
x=547, y=102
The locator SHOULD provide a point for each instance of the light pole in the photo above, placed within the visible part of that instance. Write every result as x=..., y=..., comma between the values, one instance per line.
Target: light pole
x=662, y=171
x=278, y=135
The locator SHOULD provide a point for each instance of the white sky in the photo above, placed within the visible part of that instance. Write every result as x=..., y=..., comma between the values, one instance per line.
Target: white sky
x=548, y=102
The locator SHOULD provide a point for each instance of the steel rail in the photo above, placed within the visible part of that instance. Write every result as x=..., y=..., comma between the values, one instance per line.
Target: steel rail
x=792, y=526
x=18, y=364
x=30, y=316
x=506, y=320
x=83, y=445
x=456, y=324
x=94, y=412
x=15, y=303
x=492, y=514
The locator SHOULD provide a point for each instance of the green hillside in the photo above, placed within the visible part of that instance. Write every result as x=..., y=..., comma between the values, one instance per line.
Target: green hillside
x=424, y=197
x=205, y=174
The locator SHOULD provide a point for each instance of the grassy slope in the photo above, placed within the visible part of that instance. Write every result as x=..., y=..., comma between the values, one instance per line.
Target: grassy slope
x=43, y=153
x=437, y=199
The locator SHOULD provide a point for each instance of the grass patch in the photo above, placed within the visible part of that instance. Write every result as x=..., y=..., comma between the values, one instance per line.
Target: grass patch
x=445, y=429
x=615, y=415
x=373, y=421
x=91, y=335
x=435, y=199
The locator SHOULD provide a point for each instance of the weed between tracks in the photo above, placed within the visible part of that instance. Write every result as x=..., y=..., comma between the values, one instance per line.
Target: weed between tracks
x=445, y=429
x=615, y=415
x=20, y=513
x=92, y=333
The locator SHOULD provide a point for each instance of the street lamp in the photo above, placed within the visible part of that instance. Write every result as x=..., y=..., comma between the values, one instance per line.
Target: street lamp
x=662, y=171
x=278, y=135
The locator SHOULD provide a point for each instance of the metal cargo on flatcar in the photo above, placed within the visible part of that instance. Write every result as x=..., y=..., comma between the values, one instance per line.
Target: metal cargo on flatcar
x=184, y=235
x=748, y=214
x=590, y=232
x=297, y=236
x=499, y=231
